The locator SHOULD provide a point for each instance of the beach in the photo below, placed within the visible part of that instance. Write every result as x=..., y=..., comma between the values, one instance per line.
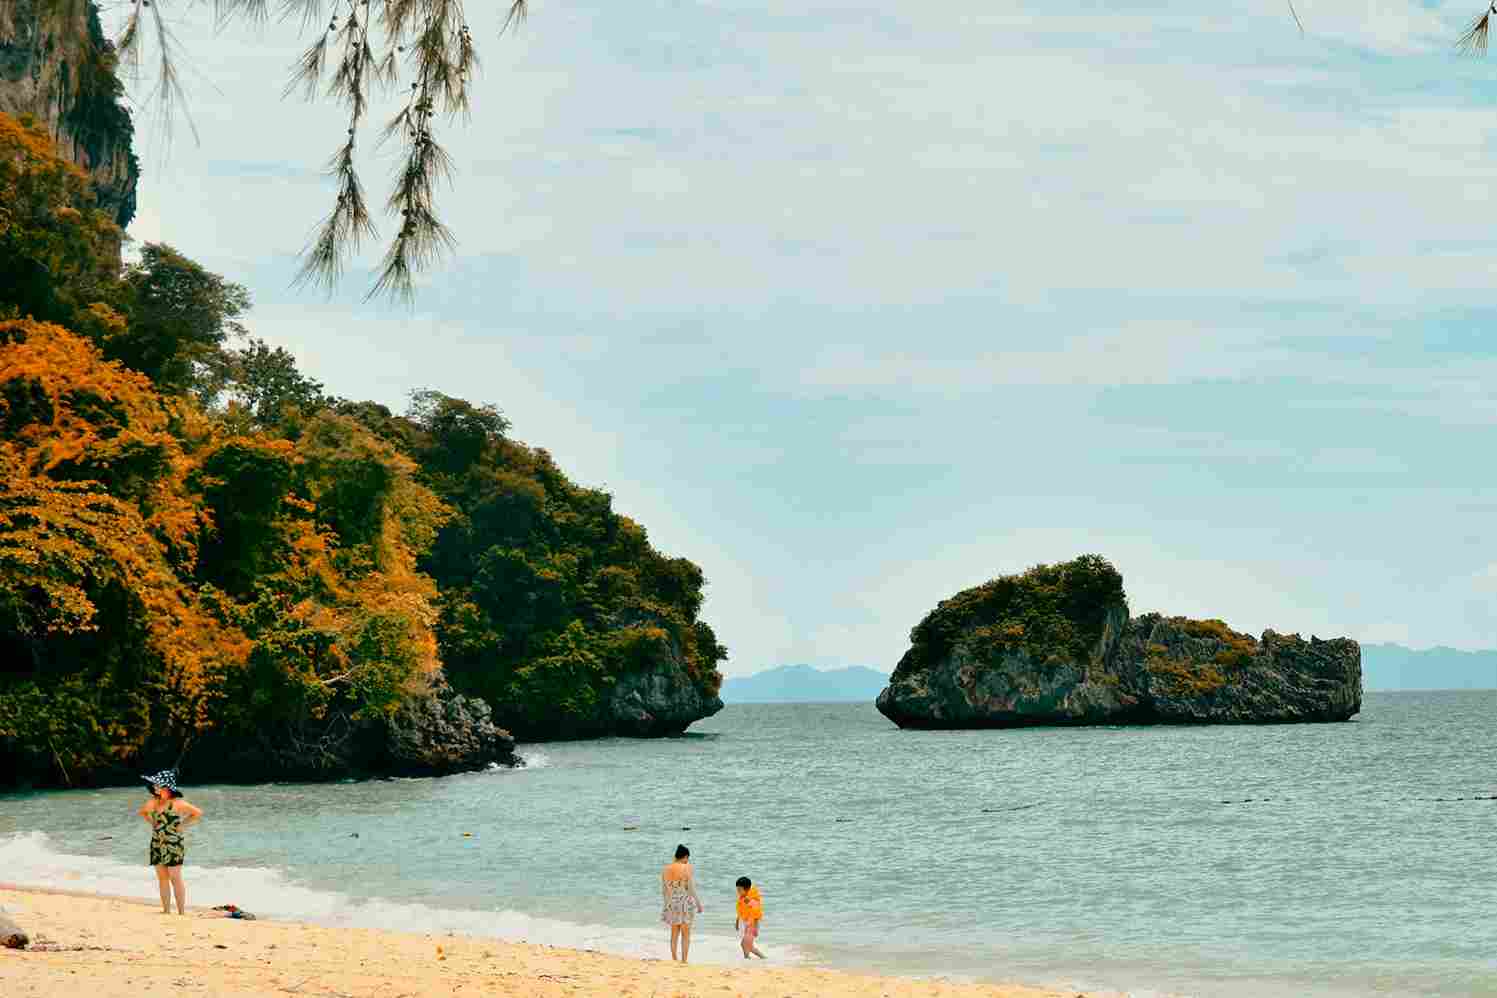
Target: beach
x=113, y=948
x=1151, y=862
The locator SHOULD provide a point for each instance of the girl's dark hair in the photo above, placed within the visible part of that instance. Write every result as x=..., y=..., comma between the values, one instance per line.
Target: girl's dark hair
x=743, y=882
x=682, y=852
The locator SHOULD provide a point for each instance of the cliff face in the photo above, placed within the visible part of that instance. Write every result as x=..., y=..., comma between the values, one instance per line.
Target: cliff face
x=660, y=696
x=660, y=700
x=436, y=734
x=1056, y=646
x=57, y=67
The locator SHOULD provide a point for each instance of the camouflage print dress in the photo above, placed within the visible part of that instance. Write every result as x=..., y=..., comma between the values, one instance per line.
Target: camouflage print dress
x=167, y=847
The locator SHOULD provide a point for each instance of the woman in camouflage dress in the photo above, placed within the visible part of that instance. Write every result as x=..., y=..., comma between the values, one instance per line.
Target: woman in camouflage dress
x=168, y=814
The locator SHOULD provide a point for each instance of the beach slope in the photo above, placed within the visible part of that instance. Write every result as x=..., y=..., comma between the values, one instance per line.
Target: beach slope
x=108, y=948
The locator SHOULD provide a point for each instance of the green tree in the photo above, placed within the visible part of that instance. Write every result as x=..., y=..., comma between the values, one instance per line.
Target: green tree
x=458, y=433
x=259, y=382
x=179, y=316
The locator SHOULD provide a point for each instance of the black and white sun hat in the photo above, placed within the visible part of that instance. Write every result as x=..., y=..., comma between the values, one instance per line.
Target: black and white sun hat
x=166, y=778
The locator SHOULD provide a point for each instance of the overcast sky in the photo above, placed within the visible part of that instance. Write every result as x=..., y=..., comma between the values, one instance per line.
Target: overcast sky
x=859, y=304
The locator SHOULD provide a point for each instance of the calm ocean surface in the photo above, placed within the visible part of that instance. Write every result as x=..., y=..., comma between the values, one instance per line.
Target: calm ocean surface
x=1105, y=858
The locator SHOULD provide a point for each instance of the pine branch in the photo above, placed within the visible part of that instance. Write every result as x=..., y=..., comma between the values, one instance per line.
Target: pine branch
x=255, y=11
x=428, y=41
x=1474, y=42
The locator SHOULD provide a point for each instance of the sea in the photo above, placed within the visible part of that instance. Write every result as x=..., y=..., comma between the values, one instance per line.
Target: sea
x=1316, y=860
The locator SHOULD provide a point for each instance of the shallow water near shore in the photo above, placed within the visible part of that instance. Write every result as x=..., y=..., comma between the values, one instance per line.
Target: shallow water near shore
x=1285, y=860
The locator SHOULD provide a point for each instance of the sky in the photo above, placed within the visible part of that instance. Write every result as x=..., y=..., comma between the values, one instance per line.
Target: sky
x=858, y=305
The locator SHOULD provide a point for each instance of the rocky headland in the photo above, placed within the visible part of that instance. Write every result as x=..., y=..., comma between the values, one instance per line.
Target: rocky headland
x=1056, y=646
x=435, y=733
x=295, y=587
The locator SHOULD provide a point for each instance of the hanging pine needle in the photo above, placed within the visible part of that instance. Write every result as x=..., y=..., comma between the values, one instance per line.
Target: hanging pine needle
x=1474, y=41
x=421, y=47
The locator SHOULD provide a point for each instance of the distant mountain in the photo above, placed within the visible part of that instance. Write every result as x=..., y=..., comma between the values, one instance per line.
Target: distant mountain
x=1384, y=667
x=1394, y=667
x=803, y=684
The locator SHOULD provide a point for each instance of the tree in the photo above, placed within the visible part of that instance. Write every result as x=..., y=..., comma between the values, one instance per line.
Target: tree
x=458, y=432
x=165, y=580
x=57, y=250
x=95, y=526
x=260, y=381
x=179, y=318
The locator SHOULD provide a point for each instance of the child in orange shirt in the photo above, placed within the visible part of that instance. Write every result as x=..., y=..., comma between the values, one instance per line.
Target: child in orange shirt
x=750, y=911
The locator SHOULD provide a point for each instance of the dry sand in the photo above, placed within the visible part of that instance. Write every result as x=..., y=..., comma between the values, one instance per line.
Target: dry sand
x=95, y=947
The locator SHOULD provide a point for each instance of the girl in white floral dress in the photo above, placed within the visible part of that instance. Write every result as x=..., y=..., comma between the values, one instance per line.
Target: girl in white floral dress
x=679, y=890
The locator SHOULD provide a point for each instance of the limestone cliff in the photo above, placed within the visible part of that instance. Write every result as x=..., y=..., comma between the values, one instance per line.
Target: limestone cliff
x=662, y=699
x=435, y=734
x=1055, y=645
x=662, y=696
x=57, y=67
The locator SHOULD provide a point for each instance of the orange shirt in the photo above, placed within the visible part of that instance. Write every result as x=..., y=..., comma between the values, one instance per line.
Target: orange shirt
x=750, y=905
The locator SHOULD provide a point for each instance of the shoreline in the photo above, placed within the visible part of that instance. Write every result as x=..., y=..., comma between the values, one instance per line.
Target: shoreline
x=114, y=947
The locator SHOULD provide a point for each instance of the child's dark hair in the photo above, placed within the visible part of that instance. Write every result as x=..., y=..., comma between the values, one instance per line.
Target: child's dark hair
x=743, y=882
x=682, y=852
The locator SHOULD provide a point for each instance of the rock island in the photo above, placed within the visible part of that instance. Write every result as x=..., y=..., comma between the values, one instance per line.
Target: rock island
x=1055, y=646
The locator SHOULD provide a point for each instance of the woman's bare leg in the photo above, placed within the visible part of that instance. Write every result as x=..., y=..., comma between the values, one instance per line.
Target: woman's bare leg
x=179, y=887
x=163, y=882
x=685, y=942
x=675, y=937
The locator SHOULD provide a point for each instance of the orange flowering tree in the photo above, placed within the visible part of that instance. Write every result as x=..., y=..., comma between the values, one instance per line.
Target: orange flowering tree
x=163, y=581
x=56, y=247
x=97, y=530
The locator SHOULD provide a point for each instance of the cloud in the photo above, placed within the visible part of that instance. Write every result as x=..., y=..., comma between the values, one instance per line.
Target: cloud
x=1388, y=632
x=1485, y=579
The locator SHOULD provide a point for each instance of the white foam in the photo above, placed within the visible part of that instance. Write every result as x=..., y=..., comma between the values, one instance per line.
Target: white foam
x=534, y=758
x=27, y=859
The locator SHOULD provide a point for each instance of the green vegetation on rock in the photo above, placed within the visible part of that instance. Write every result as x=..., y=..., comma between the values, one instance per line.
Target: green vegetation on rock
x=1050, y=613
x=548, y=596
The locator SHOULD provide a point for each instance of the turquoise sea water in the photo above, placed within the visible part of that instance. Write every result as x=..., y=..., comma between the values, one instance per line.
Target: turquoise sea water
x=1283, y=860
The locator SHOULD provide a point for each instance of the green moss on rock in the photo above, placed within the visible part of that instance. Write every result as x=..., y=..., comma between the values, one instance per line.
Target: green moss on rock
x=1050, y=613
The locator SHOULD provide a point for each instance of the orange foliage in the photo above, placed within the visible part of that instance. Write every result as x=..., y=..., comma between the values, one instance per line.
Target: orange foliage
x=82, y=437
x=19, y=141
x=107, y=486
x=49, y=225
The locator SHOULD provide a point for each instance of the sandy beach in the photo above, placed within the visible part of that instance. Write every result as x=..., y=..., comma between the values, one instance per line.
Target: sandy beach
x=113, y=948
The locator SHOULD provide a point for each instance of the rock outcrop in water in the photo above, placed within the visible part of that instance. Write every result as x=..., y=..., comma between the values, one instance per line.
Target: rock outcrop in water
x=441, y=733
x=438, y=733
x=660, y=699
x=1056, y=646
x=659, y=694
